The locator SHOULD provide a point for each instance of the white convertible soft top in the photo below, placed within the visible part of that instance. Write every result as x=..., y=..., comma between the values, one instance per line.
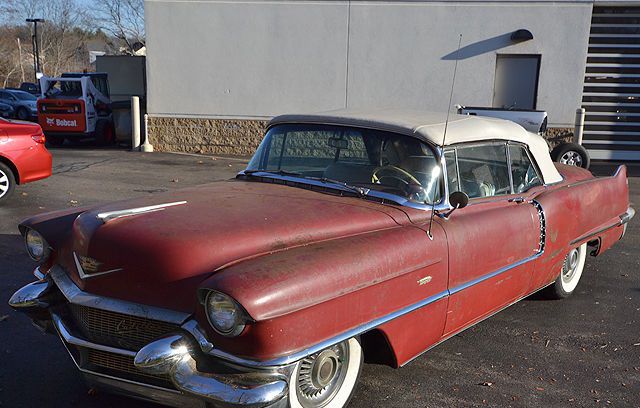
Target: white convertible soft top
x=429, y=127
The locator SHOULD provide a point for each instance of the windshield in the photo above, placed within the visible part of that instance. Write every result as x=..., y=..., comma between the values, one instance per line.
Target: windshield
x=376, y=160
x=64, y=88
x=24, y=96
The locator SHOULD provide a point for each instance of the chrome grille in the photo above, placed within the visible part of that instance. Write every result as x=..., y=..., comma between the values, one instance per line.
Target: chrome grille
x=118, y=362
x=117, y=329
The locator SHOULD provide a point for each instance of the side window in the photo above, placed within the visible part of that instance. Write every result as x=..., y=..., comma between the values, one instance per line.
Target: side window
x=452, y=171
x=522, y=170
x=483, y=170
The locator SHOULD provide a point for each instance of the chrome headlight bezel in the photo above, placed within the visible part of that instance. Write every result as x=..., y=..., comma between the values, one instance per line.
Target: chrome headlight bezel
x=36, y=245
x=216, y=304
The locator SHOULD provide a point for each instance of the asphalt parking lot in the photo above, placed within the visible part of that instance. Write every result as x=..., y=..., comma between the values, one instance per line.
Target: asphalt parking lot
x=580, y=352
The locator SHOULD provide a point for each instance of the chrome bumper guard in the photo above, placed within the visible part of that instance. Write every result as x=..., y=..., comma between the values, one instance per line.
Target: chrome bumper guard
x=173, y=356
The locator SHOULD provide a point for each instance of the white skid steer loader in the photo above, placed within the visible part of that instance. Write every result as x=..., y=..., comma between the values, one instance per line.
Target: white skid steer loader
x=76, y=106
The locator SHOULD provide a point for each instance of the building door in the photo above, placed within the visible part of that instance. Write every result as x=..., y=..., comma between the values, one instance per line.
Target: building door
x=516, y=82
x=611, y=95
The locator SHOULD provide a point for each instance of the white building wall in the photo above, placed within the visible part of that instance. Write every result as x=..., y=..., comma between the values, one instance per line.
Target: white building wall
x=262, y=58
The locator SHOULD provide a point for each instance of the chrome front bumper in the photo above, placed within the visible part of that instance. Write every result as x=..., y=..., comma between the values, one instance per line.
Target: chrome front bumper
x=174, y=357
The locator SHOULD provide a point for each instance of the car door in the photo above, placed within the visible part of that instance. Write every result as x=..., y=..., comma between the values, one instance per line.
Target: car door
x=493, y=240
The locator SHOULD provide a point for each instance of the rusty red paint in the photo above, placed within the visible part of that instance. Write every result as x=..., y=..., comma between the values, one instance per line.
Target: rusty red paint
x=307, y=266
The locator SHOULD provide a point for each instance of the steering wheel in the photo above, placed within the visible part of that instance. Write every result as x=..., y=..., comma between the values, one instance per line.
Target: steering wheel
x=410, y=186
x=375, y=178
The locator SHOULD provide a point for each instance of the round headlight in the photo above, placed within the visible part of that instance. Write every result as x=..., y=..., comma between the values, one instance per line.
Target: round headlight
x=37, y=247
x=224, y=314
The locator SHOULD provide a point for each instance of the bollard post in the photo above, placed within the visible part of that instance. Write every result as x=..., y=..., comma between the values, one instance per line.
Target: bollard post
x=579, y=126
x=135, y=123
x=146, y=146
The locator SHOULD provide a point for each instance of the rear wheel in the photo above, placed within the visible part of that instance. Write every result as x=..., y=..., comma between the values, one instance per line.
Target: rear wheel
x=22, y=113
x=569, y=274
x=105, y=135
x=7, y=182
x=327, y=379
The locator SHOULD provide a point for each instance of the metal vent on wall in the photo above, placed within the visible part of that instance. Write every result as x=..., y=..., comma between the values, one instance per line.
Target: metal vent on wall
x=611, y=95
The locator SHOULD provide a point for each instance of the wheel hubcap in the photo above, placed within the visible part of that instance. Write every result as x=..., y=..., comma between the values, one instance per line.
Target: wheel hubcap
x=320, y=376
x=571, y=158
x=4, y=183
x=570, y=265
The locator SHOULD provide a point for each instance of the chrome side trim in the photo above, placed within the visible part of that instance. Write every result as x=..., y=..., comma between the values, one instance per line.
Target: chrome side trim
x=78, y=297
x=112, y=215
x=66, y=335
x=624, y=219
x=292, y=358
x=450, y=335
x=493, y=274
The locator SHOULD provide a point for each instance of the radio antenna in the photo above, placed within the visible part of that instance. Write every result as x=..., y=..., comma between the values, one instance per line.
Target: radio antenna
x=446, y=125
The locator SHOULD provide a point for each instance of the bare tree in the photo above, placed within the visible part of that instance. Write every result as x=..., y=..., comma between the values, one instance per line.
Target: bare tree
x=124, y=19
x=62, y=38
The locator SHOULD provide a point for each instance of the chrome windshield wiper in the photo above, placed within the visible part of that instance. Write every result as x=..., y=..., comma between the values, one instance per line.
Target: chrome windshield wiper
x=276, y=172
x=361, y=191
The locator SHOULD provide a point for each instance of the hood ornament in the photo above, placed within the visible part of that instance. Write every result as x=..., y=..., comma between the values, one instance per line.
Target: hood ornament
x=88, y=267
x=112, y=215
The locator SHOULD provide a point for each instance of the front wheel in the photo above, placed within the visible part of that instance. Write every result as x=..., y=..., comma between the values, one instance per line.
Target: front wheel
x=327, y=379
x=7, y=182
x=570, y=274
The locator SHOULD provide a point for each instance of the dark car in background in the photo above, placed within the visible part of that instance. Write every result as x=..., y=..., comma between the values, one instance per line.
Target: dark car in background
x=6, y=111
x=23, y=103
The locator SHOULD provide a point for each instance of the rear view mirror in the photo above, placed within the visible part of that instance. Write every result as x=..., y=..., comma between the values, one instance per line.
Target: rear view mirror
x=337, y=143
x=458, y=199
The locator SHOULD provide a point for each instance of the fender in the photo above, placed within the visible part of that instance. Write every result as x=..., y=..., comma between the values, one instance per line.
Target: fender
x=312, y=293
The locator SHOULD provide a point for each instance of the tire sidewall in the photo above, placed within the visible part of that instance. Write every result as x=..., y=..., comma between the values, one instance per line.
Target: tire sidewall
x=346, y=391
x=22, y=113
x=560, y=150
x=568, y=288
x=5, y=170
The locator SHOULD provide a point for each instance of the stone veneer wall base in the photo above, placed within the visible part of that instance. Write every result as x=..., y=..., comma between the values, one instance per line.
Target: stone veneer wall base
x=240, y=137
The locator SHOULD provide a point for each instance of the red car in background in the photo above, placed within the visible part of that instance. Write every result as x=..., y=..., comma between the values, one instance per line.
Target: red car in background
x=23, y=156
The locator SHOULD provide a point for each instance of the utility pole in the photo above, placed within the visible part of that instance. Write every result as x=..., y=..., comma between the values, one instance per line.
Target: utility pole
x=36, y=48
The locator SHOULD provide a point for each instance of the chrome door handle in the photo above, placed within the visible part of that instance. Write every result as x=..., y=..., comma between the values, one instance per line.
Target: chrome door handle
x=518, y=200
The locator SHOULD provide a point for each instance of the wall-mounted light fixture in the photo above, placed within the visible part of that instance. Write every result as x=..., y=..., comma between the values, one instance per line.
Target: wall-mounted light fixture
x=521, y=35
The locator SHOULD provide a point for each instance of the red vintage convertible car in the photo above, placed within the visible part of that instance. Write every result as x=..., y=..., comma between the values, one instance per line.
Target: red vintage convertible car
x=23, y=156
x=350, y=237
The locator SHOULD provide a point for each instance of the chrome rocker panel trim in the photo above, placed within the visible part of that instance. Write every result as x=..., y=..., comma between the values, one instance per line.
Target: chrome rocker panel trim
x=76, y=296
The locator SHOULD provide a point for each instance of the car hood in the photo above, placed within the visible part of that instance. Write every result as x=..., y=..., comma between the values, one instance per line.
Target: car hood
x=161, y=255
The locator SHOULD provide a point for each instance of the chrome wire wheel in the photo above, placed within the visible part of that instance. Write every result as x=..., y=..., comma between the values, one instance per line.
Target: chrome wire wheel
x=326, y=379
x=571, y=158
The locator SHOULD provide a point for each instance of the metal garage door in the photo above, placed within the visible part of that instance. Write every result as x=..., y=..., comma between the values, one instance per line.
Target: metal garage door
x=612, y=84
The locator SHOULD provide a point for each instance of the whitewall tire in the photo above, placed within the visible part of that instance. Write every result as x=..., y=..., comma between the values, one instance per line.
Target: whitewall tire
x=570, y=274
x=327, y=379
